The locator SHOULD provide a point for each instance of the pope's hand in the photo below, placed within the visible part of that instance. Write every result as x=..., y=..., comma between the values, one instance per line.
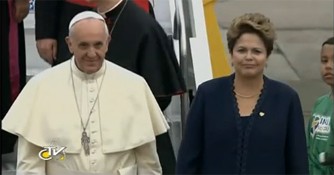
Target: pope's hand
x=47, y=49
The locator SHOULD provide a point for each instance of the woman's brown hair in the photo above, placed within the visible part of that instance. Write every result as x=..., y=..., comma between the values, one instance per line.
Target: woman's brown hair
x=252, y=23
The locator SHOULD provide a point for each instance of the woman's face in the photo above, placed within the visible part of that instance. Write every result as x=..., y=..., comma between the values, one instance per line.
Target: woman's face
x=249, y=55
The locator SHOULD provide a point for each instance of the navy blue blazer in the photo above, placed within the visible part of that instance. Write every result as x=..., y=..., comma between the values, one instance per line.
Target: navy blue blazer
x=274, y=141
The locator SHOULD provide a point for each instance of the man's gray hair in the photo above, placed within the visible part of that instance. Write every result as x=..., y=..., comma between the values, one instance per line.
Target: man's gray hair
x=87, y=15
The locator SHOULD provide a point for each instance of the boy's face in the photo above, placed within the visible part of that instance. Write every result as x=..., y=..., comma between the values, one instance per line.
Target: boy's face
x=327, y=64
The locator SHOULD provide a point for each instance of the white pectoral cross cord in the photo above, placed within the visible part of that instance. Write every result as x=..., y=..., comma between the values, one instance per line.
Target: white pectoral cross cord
x=85, y=140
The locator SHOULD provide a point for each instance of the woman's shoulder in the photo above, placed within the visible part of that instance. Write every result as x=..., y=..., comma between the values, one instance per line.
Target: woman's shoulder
x=220, y=83
x=280, y=87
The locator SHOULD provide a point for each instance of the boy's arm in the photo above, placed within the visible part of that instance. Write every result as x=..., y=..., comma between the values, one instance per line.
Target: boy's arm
x=327, y=158
x=330, y=145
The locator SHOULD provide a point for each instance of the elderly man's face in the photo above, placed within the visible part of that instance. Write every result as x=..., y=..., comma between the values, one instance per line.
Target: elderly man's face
x=88, y=42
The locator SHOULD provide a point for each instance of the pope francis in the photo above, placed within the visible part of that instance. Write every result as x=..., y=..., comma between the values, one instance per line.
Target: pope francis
x=86, y=115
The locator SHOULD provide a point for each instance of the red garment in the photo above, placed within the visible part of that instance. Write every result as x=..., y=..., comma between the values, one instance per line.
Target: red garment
x=13, y=53
x=144, y=4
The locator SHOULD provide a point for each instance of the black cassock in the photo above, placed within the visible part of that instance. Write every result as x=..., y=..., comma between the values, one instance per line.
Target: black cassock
x=139, y=44
x=7, y=82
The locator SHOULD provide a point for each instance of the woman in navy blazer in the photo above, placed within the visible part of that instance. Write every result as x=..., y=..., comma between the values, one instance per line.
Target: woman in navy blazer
x=245, y=123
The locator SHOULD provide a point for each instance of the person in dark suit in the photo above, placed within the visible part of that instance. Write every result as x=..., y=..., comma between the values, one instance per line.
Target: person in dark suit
x=52, y=20
x=245, y=123
x=13, y=60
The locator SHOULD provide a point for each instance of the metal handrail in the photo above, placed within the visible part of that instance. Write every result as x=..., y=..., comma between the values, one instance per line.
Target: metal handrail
x=181, y=35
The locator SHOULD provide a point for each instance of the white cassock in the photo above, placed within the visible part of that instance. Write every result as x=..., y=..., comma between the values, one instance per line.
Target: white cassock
x=122, y=127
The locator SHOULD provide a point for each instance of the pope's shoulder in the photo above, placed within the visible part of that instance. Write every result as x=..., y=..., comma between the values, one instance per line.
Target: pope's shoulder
x=122, y=73
x=57, y=72
x=61, y=73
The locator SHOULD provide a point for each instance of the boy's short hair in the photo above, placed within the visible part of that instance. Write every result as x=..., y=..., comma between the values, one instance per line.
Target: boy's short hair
x=329, y=41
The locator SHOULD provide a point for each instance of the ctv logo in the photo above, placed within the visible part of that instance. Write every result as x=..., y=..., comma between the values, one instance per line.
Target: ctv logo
x=52, y=151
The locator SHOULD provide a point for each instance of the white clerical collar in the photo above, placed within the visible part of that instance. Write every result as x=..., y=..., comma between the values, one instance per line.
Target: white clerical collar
x=84, y=75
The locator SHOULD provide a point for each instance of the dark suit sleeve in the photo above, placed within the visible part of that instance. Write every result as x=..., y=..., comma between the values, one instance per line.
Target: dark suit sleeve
x=158, y=63
x=47, y=18
x=190, y=153
x=296, y=149
x=308, y=137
